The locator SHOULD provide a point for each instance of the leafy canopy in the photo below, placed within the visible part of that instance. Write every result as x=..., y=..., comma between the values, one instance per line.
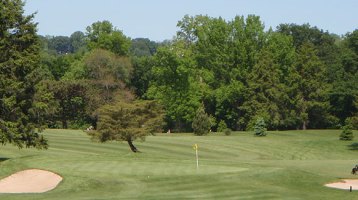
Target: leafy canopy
x=128, y=121
x=103, y=35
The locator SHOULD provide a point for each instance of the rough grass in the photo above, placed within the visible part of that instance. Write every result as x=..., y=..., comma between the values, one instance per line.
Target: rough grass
x=282, y=165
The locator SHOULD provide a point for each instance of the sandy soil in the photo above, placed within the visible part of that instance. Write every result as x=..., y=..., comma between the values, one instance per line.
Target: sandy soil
x=345, y=184
x=30, y=181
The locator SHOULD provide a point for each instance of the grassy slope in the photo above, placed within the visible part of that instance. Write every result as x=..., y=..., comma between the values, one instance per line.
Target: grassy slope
x=283, y=165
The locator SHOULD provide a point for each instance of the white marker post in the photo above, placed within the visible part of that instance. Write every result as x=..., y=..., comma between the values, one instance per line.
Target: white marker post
x=197, y=156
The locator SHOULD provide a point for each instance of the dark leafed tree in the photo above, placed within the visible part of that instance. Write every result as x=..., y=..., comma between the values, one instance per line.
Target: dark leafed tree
x=143, y=47
x=124, y=121
x=60, y=44
x=309, y=87
x=19, y=50
x=78, y=41
x=108, y=71
x=344, y=92
x=72, y=100
x=265, y=95
x=142, y=74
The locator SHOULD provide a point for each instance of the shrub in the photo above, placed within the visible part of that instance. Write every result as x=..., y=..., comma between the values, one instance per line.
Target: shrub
x=347, y=133
x=201, y=122
x=222, y=126
x=260, y=127
x=212, y=121
x=227, y=131
x=353, y=122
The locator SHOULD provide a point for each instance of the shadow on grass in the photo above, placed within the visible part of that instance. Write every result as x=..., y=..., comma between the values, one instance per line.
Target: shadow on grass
x=353, y=146
x=3, y=159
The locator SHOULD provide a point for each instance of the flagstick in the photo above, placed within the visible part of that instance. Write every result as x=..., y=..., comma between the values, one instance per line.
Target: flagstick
x=197, y=159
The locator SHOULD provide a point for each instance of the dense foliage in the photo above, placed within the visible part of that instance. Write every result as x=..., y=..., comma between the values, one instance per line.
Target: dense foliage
x=347, y=133
x=127, y=121
x=19, y=73
x=294, y=77
x=297, y=77
x=221, y=126
x=227, y=131
x=104, y=36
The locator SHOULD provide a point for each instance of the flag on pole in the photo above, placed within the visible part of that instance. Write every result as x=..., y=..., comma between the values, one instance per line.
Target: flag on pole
x=195, y=147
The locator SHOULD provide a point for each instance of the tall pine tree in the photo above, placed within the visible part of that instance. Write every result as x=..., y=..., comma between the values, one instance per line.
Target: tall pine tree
x=19, y=50
x=265, y=93
x=309, y=88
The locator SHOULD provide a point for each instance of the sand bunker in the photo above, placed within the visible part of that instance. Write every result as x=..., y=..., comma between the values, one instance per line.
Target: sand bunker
x=344, y=184
x=30, y=181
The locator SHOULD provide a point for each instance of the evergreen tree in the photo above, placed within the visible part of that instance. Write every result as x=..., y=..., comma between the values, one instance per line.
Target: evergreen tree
x=201, y=122
x=309, y=88
x=347, y=133
x=266, y=94
x=222, y=126
x=260, y=127
x=19, y=60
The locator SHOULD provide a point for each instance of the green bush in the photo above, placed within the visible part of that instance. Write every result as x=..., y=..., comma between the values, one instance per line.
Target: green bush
x=347, y=133
x=260, y=127
x=222, y=126
x=212, y=121
x=78, y=124
x=201, y=122
x=227, y=131
x=353, y=122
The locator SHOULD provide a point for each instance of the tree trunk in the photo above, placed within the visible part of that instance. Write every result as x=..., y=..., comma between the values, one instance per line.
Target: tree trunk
x=64, y=124
x=133, y=148
x=304, y=125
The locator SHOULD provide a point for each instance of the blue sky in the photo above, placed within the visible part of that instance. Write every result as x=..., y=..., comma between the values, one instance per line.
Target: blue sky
x=157, y=19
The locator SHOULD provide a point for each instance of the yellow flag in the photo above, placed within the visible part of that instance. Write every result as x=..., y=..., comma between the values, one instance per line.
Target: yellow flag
x=195, y=147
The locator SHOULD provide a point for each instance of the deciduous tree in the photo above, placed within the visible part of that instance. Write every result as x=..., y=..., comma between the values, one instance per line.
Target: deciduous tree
x=108, y=71
x=103, y=35
x=128, y=121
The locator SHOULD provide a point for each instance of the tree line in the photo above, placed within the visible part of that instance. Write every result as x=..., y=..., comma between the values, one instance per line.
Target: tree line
x=235, y=71
x=294, y=77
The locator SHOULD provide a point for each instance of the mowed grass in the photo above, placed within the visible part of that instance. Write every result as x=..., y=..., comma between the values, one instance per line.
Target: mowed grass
x=283, y=165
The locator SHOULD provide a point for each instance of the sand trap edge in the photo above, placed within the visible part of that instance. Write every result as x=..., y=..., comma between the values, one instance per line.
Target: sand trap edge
x=344, y=184
x=31, y=180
